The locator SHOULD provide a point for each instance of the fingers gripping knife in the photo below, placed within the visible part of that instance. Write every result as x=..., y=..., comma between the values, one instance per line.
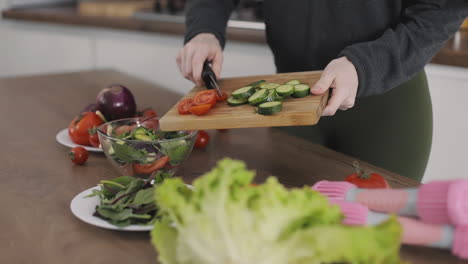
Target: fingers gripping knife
x=209, y=77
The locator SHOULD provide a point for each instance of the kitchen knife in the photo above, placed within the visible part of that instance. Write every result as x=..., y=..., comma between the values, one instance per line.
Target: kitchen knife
x=209, y=77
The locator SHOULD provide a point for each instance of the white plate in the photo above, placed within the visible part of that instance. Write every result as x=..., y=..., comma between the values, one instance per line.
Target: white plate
x=64, y=139
x=83, y=209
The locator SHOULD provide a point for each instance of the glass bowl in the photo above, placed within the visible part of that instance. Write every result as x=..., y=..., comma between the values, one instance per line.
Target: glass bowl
x=134, y=152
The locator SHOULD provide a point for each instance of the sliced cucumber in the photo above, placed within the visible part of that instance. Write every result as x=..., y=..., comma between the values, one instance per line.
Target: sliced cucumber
x=267, y=85
x=273, y=96
x=257, y=84
x=270, y=108
x=285, y=90
x=258, y=97
x=294, y=82
x=235, y=102
x=140, y=133
x=301, y=90
x=244, y=92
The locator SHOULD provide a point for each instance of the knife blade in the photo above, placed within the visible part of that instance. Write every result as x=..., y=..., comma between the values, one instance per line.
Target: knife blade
x=209, y=77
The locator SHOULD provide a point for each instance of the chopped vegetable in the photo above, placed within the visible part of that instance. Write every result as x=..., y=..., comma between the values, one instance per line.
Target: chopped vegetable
x=243, y=93
x=235, y=102
x=116, y=102
x=205, y=97
x=365, y=179
x=151, y=167
x=268, y=96
x=224, y=219
x=285, y=90
x=270, y=108
x=200, y=109
x=267, y=85
x=221, y=98
x=258, y=97
x=301, y=90
x=184, y=106
x=78, y=155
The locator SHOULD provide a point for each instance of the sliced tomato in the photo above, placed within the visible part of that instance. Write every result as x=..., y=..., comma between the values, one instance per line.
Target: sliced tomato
x=123, y=129
x=184, y=106
x=221, y=98
x=200, y=109
x=205, y=97
x=152, y=167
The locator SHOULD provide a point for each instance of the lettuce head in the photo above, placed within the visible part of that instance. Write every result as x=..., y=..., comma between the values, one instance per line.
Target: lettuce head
x=226, y=220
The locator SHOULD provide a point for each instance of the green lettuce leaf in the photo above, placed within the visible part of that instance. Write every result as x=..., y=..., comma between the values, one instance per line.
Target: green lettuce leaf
x=225, y=219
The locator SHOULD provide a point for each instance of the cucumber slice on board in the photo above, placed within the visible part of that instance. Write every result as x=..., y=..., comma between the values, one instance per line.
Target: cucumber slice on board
x=285, y=90
x=267, y=85
x=256, y=84
x=273, y=96
x=301, y=90
x=294, y=82
x=258, y=97
x=270, y=108
x=243, y=93
x=235, y=102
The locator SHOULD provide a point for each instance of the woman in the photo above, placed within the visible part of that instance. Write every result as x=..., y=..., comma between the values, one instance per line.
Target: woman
x=373, y=53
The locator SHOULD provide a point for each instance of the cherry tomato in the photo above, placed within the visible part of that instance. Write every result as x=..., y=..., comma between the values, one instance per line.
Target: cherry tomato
x=200, y=109
x=78, y=155
x=205, y=97
x=122, y=129
x=152, y=167
x=149, y=112
x=221, y=98
x=93, y=137
x=202, y=139
x=184, y=106
x=79, y=126
x=365, y=179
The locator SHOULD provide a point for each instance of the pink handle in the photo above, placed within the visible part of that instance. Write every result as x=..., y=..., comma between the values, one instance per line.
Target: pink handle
x=383, y=200
x=418, y=233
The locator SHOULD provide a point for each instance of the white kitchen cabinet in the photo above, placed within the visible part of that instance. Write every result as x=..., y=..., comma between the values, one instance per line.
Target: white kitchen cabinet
x=27, y=48
x=449, y=90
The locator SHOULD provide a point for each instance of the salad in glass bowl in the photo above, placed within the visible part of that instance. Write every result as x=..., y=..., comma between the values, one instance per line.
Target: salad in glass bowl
x=136, y=147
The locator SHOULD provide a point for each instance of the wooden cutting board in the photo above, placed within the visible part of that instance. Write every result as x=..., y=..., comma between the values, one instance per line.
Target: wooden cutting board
x=296, y=111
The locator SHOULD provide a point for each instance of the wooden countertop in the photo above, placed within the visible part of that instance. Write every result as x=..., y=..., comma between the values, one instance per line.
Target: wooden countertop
x=38, y=181
x=454, y=53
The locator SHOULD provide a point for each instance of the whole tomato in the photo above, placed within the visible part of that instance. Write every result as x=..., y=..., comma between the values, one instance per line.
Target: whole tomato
x=78, y=155
x=93, y=137
x=202, y=139
x=78, y=130
x=365, y=179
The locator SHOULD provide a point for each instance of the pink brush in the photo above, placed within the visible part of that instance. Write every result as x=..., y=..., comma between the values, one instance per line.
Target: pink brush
x=442, y=202
x=415, y=232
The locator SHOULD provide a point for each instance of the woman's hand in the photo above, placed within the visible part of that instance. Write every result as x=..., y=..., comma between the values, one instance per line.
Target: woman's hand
x=341, y=75
x=190, y=58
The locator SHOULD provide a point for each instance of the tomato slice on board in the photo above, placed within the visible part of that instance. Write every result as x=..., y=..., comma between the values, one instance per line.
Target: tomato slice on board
x=205, y=97
x=152, y=167
x=184, y=106
x=200, y=109
x=221, y=98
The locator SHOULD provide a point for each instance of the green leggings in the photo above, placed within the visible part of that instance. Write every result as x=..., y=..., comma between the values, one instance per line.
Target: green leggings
x=392, y=131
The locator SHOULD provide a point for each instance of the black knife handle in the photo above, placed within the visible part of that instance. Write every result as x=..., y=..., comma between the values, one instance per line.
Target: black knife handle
x=207, y=74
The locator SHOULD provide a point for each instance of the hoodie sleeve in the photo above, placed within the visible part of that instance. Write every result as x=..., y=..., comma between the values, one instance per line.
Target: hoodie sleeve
x=404, y=50
x=208, y=16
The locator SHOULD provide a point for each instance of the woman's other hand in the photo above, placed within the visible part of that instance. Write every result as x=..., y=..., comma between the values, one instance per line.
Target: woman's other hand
x=190, y=58
x=341, y=75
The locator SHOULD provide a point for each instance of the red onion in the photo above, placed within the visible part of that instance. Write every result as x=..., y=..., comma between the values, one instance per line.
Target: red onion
x=116, y=102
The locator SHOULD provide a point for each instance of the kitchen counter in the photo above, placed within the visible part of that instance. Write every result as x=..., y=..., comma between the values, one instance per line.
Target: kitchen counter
x=39, y=181
x=454, y=53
